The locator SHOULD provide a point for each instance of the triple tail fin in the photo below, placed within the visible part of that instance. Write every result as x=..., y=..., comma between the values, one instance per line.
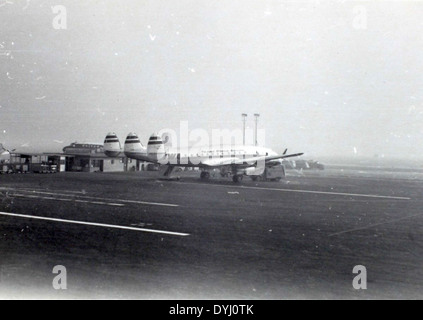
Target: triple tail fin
x=112, y=147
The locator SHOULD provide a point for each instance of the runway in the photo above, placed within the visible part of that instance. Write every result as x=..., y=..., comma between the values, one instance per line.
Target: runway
x=129, y=235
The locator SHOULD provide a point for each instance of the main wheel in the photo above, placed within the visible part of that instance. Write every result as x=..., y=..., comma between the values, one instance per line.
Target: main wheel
x=236, y=178
x=205, y=175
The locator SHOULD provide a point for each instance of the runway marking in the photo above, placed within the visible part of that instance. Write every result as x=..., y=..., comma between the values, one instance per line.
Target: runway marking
x=311, y=191
x=69, y=200
x=27, y=189
x=333, y=193
x=95, y=198
x=95, y=224
x=375, y=225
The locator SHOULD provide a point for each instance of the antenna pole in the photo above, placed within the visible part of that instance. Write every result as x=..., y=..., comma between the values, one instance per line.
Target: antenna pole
x=256, y=115
x=244, y=119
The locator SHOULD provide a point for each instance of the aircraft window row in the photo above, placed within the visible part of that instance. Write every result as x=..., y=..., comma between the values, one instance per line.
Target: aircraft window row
x=222, y=152
x=207, y=153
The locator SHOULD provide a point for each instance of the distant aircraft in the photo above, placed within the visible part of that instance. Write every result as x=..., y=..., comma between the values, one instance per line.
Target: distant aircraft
x=238, y=161
x=4, y=153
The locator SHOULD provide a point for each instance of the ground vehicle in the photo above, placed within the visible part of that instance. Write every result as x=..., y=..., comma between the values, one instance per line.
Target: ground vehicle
x=301, y=165
x=8, y=168
x=43, y=168
x=308, y=165
x=152, y=167
x=4, y=168
x=273, y=173
x=316, y=165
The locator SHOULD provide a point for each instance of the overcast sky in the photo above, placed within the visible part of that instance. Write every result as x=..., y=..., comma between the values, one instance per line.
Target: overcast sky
x=327, y=77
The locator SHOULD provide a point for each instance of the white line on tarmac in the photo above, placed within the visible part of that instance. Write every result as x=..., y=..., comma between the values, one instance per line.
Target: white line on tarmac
x=76, y=200
x=94, y=198
x=43, y=189
x=375, y=225
x=309, y=191
x=95, y=224
x=333, y=193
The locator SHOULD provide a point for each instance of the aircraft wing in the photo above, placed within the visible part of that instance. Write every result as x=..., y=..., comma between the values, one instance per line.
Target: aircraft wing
x=217, y=162
x=270, y=158
x=265, y=158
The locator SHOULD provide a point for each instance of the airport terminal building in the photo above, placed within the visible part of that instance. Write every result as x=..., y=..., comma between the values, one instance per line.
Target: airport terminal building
x=88, y=157
x=77, y=157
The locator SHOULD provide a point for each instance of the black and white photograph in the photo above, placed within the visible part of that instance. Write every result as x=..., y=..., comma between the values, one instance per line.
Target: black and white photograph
x=211, y=155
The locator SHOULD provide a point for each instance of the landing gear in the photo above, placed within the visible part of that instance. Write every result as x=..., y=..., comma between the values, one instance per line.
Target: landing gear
x=257, y=178
x=225, y=172
x=205, y=175
x=237, y=178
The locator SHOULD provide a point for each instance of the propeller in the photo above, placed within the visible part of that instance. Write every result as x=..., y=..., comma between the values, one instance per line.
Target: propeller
x=3, y=149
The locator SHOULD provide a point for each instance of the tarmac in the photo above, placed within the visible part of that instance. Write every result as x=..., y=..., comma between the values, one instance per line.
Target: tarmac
x=132, y=236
